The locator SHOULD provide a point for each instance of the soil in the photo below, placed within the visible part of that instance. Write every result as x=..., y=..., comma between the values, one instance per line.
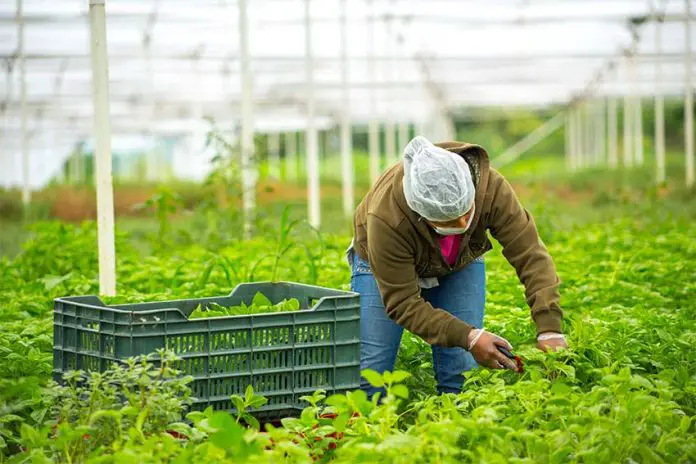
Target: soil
x=74, y=204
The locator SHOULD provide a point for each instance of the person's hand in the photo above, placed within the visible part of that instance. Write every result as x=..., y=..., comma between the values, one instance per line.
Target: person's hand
x=551, y=341
x=484, y=348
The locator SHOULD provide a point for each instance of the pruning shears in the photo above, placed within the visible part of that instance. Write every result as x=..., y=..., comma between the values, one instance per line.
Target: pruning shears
x=514, y=357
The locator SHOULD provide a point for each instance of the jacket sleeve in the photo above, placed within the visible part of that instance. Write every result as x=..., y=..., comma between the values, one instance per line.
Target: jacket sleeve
x=393, y=265
x=513, y=227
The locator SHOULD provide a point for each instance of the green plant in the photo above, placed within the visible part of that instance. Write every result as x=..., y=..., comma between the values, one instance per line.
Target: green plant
x=164, y=203
x=260, y=304
x=285, y=242
x=623, y=392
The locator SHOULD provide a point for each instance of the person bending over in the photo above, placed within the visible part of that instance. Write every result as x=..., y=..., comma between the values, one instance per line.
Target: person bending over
x=420, y=235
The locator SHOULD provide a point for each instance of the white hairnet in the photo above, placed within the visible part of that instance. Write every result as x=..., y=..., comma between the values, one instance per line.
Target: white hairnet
x=437, y=182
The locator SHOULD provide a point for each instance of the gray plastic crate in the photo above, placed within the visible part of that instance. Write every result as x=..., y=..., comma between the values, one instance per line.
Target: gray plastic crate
x=283, y=355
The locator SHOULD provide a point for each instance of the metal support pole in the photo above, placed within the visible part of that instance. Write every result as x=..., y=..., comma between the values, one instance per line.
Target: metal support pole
x=638, y=129
x=102, y=149
x=539, y=134
x=346, y=135
x=9, y=100
x=637, y=113
x=575, y=131
x=26, y=189
x=274, y=156
x=601, y=141
x=389, y=123
x=577, y=137
x=568, y=143
x=198, y=134
x=54, y=142
x=589, y=136
x=403, y=138
x=659, y=109
x=689, y=102
x=314, y=205
x=390, y=141
x=249, y=171
x=291, y=156
x=591, y=133
x=373, y=125
x=628, y=125
x=613, y=133
x=152, y=170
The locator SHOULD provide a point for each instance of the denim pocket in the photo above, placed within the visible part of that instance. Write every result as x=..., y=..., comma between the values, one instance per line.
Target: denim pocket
x=361, y=266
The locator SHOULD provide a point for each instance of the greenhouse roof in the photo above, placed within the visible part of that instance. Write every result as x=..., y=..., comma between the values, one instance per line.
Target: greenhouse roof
x=173, y=62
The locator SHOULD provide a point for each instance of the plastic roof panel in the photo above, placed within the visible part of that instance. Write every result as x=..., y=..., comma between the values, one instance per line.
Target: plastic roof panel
x=174, y=61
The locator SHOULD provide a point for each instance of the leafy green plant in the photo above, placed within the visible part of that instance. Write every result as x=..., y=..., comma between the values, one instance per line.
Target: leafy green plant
x=93, y=410
x=249, y=401
x=623, y=392
x=260, y=304
x=285, y=243
x=164, y=203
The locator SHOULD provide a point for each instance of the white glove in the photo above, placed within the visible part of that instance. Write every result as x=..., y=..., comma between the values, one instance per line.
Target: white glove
x=549, y=336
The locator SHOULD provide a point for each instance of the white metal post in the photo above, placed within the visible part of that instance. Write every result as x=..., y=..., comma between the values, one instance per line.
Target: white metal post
x=593, y=113
x=249, y=171
x=403, y=138
x=689, y=102
x=591, y=133
x=26, y=190
x=577, y=138
x=55, y=140
x=589, y=136
x=389, y=123
x=102, y=149
x=152, y=170
x=568, y=144
x=659, y=108
x=575, y=130
x=637, y=112
x=613, y=132
x=601, y=141
x=9, y=101
x=346, y=134
x=373, y=148
x=628, y=121
x=390, y=141
x=584, y=136
x=311, y=142
x=274, y=156
x=373, y=125
x=638, y=129
x=291, y=156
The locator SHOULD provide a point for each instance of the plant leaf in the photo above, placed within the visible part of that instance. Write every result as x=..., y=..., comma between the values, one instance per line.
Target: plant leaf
x=373, y=377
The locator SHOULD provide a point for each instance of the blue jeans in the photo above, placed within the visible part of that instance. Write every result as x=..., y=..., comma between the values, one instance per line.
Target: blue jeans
x=461, y=293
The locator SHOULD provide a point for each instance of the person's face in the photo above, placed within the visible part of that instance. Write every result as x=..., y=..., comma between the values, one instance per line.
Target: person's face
x=455, y=223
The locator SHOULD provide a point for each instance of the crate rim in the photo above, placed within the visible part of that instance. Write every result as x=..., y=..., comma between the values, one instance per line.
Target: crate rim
x=346, y=294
